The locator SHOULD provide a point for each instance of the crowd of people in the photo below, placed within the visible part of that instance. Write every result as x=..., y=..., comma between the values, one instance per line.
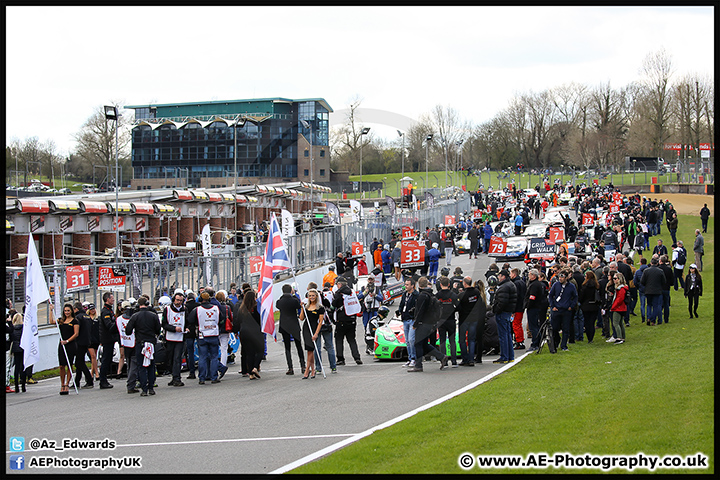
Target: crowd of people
x=577, y=295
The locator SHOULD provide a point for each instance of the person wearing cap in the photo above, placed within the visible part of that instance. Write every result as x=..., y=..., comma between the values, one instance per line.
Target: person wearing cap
x=173, y=322
x=433, y=260
x=693, y=289
x=330, y=276
x=563, y=297
x=146, y=326
x=503, y=307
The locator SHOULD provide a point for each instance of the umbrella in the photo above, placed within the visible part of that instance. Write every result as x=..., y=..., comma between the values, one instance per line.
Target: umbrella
x=406, y=179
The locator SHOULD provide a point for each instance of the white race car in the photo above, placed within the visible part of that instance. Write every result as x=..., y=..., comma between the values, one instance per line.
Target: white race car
x=516, y=248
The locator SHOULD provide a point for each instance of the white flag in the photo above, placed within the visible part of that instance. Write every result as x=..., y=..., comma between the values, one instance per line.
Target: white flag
x=207, y=250
x=36, y=292
x=288, y=224
x=356, y=210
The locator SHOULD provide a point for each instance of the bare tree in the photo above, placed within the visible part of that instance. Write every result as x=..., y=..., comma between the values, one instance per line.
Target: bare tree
x=657, y=69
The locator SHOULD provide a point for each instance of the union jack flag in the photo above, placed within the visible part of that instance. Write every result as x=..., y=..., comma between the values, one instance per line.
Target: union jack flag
x=275, y=260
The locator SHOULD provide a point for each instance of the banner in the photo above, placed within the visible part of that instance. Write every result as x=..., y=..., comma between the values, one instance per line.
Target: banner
x=77, y=278
x=498, y=246
x=36, y=292
x=256, y=264
x=614, y=208
x=412, y=254
x=108, y=280
x=288, y=224
x=587, y=220
x=356, y=210
x=449, y=219
x=414, y=203
x=557, y=235
x=275, y=260
x=356, y=248
x=541, y=248
x=391, y=205
x=207, y=250
x=429, y=200
x=136, y=275
x=333, y=213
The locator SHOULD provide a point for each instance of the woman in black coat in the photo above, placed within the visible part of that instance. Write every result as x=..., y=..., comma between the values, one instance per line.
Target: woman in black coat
x=589, y=293
x=693, y=290
x=17, y=351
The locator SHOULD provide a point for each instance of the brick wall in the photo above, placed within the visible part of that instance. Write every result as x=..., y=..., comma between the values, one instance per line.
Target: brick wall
x=82, y=245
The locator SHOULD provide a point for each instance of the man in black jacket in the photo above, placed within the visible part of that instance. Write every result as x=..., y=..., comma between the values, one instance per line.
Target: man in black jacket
x=474, y=237
x=146, y=325
x=468, y=318
x=660, y=249
x=173, y=322
x=345, y=328
x=424, y=325
x=504, y=303
x=533, y=301
x=190, y=305
x=653, y=279
x=83, y=342
x=519, y=309
x=669, y=280
x=108, y=336
x=289, y=305
x=449, y=301
x=407, y=315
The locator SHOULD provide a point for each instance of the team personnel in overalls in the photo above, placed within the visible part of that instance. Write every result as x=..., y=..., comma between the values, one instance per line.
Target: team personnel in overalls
x=207, y=317
x=433, y=259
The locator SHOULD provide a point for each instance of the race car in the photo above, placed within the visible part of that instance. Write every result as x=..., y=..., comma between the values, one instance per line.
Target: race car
x=530, y=193
x=535, y=231
x=390, y=342
x=516, y=248
x=462, y=245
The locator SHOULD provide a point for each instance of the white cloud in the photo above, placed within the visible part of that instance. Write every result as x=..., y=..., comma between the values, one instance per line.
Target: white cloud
x=402, y=59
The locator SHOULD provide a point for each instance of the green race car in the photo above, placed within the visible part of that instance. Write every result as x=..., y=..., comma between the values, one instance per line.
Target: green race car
x=390, y=342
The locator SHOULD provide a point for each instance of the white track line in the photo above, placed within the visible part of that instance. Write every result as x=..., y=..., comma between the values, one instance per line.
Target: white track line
x=356, y=437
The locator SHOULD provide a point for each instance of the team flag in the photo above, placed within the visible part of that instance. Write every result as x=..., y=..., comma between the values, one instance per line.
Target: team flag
x=275, y=260
x=36, y=292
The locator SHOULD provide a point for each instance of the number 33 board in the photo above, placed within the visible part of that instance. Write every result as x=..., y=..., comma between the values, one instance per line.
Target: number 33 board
x=412, y=254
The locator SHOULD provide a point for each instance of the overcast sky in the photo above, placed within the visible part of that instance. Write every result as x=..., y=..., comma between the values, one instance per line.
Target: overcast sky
x=63, y=62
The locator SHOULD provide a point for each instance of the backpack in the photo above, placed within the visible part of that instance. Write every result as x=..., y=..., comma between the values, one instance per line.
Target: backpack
x=627, y=298
x=433, y=311
x=682, y=257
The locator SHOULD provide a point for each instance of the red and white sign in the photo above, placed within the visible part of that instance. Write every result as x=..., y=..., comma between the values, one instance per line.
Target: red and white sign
x=614, y=208
x=408, y=232
x=121, y=221
x=587, y=220
x=617, y=197
x=477, y=214
x=449, y=219
x=140, y=224
x=256, y=264
x=93, y=223
x=356, y=248
x=77, y=278
x=672, y=146
x=498, y=245
x=412, y=254
x=557, y=234
x=107, y=280
x=705, y=146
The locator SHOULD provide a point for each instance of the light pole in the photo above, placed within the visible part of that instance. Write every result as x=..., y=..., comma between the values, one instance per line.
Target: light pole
x=428, y=139
x=459, y=144
x=111, y=113
x=445, y=147
x=235, y=134
x=312, y=203
x=364, y=131
x=634, y=161
x=402, y=152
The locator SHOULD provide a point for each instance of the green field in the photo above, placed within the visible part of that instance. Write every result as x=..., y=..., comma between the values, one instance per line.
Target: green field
x=654, y=394
x=525, y=180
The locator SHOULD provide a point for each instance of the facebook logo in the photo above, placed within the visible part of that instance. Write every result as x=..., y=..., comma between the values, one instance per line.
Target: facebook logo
x=17, y=462
x=17, y=444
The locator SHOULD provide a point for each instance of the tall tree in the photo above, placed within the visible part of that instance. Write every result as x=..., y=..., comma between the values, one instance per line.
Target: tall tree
x=657, y=69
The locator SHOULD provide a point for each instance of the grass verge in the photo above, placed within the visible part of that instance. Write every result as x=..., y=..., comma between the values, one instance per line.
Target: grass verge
x=654, y=394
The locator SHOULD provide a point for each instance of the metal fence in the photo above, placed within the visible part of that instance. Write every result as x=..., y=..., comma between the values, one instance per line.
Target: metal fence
x=156, y=277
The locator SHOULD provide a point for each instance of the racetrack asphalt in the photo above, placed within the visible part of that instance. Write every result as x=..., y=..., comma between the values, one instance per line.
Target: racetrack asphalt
x=239, y=425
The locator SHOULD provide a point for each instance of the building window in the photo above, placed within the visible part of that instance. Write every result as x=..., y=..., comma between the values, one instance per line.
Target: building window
x=307, y=172
x=322, y=172
x=322, y=153
x=307, y=153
